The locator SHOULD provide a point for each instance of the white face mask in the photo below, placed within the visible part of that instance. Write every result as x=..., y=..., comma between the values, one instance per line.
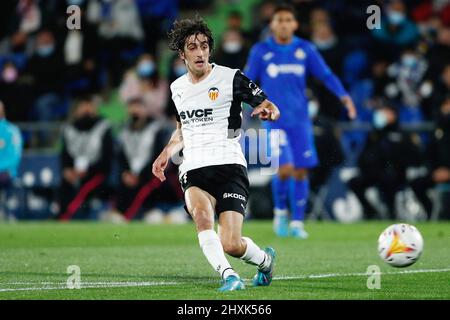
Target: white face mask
x=232, y=46
x=380, y=120
x=325, y=44
x=313, y=109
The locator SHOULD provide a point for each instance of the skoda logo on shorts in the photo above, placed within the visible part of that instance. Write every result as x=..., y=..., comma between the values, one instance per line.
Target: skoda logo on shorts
x=233, y=195
x=213, y=93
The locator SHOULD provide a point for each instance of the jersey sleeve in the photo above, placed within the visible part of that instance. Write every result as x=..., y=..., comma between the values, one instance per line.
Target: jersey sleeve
x=245, y=90
x=319, y=69
x=253, y=67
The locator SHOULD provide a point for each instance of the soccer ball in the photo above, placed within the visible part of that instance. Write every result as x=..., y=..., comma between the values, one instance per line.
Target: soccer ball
x=400, y=245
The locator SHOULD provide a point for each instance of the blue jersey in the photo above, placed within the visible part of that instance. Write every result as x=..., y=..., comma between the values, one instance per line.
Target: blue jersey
x=10, y=148
x=282, y=71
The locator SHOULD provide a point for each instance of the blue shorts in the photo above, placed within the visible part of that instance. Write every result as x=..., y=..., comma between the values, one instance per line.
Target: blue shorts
x=293, y=146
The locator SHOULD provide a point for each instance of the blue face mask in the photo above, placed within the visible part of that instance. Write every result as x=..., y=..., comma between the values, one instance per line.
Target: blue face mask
x=409, y=60
x=146, y=68
x=380, y=120
x=45, y=51
x=395, y=17
x=179, y=70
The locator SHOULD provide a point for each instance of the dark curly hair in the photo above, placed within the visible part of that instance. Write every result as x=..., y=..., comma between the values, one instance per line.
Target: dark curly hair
x=185, y=28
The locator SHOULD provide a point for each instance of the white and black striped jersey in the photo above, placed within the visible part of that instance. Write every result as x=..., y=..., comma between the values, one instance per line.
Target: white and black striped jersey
x=210, y=113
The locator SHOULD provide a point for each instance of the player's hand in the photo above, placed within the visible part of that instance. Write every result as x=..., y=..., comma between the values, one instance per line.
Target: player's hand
x=350, y=106
x=267, y=111
x=160, y=165
x=441, y=175
x=129, y=179
x=70, y=175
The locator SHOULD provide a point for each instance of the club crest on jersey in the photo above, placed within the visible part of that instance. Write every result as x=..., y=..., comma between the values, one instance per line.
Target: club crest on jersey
x=300, y=54
x=213, y=93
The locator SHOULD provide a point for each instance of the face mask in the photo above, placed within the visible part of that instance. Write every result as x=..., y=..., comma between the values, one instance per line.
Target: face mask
x=134, y=118
x=409, y=60
x=85, y=122
x=180, y=70
x=45, y=51
x=380, y=120
x=232, y=47
x=324, y=44
x=146, y=68
x=75, y=2
x=395, y=17
x=9, y=75
x=313, y=109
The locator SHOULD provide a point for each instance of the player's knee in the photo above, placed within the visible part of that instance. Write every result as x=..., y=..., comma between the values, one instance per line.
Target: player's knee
x=233, y=247
x=300, y=174
x=202, y=217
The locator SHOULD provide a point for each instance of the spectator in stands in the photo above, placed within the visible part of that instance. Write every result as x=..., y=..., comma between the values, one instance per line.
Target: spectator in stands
x=144, y=82
x=397, y=31
x=234, y=22
x=439, y=54
x=405, y=78
x=10, y=154
x=46, y=68
x=86, y=157
x=261, y=20
x=435, y=92
x=121, y=34
x=177, y=68
x=328, y=147
x=233, y=51
x=157, y=18
x=384, y=160
x=80, y=49
x=15, y=92
x=438, y=162
x=141, y=141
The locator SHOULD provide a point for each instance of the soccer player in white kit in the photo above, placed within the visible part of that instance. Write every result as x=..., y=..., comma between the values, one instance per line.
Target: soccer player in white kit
x=213, y=172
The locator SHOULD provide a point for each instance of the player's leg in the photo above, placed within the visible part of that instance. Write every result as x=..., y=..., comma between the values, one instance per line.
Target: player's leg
x=304, y=154
x=200, y=206
x=279, y=147
x=230, y=234
x=299, y=193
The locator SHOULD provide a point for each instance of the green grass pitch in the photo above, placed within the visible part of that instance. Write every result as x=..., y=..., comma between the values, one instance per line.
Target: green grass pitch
x=138, y=261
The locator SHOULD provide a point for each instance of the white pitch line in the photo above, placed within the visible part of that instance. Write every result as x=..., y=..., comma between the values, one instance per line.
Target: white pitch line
x=86, y=285
x=99, y=285
x=360, y=274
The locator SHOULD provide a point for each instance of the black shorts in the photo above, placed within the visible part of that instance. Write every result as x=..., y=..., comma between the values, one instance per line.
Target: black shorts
x=227, y=183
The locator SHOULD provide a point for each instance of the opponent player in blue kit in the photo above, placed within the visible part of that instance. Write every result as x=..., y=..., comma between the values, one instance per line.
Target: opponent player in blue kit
x=281, y=65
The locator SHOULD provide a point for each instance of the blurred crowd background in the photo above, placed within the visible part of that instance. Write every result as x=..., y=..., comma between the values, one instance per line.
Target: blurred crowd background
x=92, y=107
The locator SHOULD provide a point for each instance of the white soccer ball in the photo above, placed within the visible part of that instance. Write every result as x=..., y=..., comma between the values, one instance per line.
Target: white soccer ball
x=400, y=245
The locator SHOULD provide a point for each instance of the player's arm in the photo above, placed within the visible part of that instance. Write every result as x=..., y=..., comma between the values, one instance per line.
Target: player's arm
x=253, y=66
x=320, y=70
x=247, y=91
x=174, y=146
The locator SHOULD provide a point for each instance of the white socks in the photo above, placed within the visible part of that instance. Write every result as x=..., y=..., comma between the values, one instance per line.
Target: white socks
x=297, y=224
x=255, y=256
x=280, y=212
x=213, y=251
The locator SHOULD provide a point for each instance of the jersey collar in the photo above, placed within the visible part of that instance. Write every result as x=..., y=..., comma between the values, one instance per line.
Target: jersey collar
x=207, y=77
